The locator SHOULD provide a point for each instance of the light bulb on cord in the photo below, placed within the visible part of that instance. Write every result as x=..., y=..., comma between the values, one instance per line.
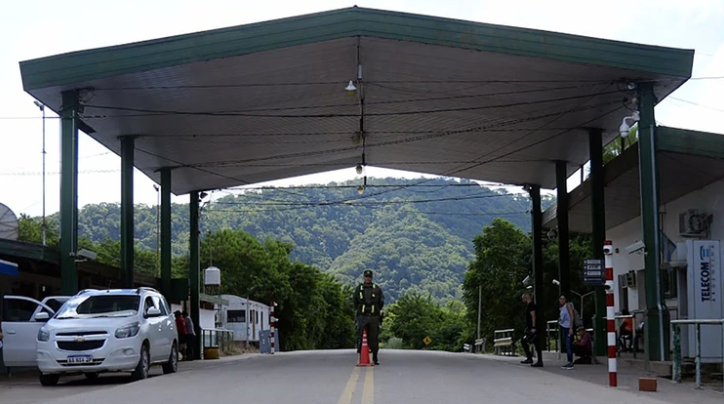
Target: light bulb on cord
x=359, y=169
x=360, y=189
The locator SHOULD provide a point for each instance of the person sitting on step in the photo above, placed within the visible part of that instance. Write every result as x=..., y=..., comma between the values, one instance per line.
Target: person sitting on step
x=583, y=347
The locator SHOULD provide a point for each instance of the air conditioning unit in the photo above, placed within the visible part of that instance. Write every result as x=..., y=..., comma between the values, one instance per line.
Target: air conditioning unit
x=692, y=223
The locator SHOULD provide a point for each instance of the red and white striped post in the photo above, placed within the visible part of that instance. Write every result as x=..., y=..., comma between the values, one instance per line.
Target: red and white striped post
x=610, y=314
x=272, y=320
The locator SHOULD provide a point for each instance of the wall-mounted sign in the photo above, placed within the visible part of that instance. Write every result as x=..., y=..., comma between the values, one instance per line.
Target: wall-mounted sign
x=594, y=274
x=704, y=289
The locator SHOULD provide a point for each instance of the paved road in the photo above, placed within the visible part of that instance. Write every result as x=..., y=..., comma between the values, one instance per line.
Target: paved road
x=330, y=377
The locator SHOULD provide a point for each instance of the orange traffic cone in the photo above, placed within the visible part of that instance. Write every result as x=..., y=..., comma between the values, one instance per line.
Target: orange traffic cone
x=364, y=359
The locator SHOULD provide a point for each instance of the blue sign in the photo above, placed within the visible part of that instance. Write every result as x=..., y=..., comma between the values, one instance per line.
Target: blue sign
x=8, y=268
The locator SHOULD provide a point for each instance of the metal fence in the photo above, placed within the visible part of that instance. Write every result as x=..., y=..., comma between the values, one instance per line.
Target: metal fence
x=676, y=326
x=634, y=340
x=217, y=338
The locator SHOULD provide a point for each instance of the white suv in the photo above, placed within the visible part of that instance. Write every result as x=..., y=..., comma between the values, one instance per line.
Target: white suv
x=97, y=331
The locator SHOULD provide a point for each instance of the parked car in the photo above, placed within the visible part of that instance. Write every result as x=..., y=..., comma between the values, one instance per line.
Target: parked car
x=98, y=331
x=20, y=325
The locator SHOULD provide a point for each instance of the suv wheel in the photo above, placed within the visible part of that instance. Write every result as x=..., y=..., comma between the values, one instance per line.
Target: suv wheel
x=172, y=365
x=144, y=364
x=49, y=380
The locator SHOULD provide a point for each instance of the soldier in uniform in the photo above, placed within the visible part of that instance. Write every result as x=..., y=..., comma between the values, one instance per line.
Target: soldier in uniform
x=369, y=301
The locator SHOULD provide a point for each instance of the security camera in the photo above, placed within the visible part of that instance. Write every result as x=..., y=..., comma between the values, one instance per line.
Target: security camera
x=555, y=282
x=636, y=247
x=84, y=255
x=608, y=249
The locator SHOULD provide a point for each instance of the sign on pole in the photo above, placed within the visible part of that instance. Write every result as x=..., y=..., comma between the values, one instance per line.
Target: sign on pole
x=427, y=340
x=594, y=274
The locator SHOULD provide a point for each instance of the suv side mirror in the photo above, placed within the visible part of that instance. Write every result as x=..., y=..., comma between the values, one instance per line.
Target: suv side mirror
x=153, y=312
x=42, y=316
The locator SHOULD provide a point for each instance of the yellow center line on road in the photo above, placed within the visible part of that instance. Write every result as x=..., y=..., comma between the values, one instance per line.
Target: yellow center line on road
x=348, y=392
x=368, y=392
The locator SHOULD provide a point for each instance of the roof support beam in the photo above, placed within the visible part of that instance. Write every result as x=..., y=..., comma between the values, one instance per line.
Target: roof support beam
x=598, y=226
x=194, y=269
x=537, y=229
x=69, y=192
x=657, y=316
x=127, y=234
x=166, y=232
x=564, y=261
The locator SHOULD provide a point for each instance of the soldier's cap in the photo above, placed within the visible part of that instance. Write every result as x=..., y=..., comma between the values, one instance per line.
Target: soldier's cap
x=367, y=272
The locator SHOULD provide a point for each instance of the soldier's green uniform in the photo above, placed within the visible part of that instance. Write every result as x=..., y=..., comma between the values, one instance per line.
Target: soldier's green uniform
x=369, y=301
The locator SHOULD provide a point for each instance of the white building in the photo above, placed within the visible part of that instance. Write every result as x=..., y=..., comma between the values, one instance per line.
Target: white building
x=691, y=184
x=234, y=317
x=231, y=315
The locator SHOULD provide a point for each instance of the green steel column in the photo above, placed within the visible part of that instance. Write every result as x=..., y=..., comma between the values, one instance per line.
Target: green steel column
x=166, y=232
x=656, y=320
x=127, y=236
x=69, y=192
x=564, y=261
x=537, y=230
x=194, y=268
x=598, y=226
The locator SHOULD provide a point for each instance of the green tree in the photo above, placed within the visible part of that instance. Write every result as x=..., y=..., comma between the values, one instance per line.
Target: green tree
x=502, y=261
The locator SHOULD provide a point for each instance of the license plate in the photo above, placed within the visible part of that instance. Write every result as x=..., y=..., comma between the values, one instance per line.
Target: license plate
x=80, y=359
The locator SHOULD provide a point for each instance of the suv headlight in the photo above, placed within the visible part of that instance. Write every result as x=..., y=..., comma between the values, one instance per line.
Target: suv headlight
x=43, y=335
x=131, y=330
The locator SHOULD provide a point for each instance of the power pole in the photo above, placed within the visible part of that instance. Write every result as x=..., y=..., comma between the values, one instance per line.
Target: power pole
x=480, y=306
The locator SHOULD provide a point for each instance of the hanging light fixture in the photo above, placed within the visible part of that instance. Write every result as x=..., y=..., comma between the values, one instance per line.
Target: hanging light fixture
x=351, y=89
x=359, y=169
x=356, y=138
x=361, y=188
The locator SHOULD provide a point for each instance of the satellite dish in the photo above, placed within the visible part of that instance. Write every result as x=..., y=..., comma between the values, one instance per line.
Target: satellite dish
x=9, y=228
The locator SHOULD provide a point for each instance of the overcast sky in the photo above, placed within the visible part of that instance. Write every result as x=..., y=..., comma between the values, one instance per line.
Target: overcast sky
x=46, y=27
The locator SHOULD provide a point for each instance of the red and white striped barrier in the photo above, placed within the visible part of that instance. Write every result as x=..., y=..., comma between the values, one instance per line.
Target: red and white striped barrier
x=610, y=314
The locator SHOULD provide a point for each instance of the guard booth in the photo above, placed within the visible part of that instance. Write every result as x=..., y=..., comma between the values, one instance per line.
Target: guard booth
x=264, y=341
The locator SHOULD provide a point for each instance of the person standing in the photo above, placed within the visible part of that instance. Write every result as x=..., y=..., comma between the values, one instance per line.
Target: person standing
x=530, y=335
x=565, y=320
x=369, y=302
x=181, y=329
x=190, y=337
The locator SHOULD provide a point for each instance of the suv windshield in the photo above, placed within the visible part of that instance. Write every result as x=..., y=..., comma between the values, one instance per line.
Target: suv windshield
x=100, y=306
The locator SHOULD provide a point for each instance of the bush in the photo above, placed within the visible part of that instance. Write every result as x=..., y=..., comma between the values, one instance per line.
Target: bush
x=394, y=343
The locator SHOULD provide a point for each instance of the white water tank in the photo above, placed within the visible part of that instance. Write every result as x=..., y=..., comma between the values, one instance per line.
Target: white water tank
x=212, y=276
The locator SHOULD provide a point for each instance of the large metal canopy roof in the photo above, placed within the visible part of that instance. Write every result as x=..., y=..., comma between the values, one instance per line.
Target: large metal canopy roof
x=266, y=101
x=687, y=161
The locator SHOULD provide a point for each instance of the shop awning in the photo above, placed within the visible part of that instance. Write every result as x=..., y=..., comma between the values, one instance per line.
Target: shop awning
x=8, y=268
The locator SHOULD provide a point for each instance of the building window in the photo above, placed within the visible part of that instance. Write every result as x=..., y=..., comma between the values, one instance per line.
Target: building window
x=236, y=316
x=669, y=284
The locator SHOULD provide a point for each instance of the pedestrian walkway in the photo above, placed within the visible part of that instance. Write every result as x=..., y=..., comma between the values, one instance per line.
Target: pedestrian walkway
x=628, y=379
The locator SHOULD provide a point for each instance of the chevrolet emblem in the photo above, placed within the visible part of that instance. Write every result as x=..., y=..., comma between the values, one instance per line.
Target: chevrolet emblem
x=79, y=339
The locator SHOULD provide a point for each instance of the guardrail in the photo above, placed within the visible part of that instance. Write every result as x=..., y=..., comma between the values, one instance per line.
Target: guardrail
x=557, y=331
x=676, y=325
x=217, y=338
x=503, y=341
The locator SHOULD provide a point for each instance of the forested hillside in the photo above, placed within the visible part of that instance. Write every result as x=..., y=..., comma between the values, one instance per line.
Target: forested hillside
x=415, y=237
